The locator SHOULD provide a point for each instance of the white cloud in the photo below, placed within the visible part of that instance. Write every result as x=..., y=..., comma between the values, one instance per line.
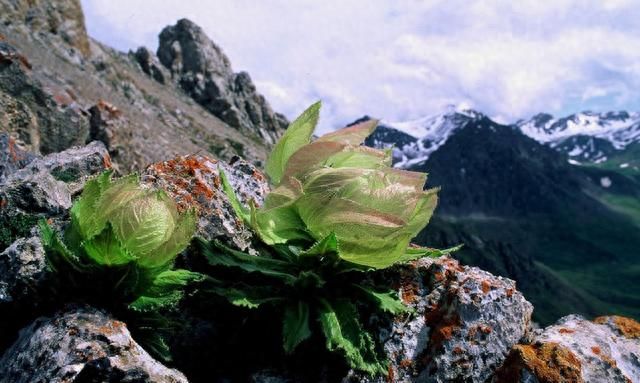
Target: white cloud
x=405, y=59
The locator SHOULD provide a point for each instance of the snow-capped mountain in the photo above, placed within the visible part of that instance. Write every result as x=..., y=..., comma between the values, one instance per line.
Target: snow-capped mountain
x=583, y=137
x=415, y=140
x=586, y=136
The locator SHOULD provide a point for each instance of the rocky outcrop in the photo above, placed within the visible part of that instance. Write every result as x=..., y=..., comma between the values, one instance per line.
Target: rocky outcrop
x=150, y=65
x=81, y=345
x=194, y=182
x=62, y=18
x=43, y=188
x=466, y=321
x=33, y=116
x=606, y=349
x=204, y=72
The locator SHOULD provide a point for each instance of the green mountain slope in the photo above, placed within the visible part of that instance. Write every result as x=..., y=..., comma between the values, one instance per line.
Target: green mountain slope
x=522, y=211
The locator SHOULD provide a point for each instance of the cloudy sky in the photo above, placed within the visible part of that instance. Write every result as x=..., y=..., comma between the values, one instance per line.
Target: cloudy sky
x=405, y=59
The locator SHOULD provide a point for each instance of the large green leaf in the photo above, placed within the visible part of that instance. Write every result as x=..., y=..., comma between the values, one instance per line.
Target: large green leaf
x=352, y=135
x=166, y=290
x=278, y=220
x=343, y=332
x=243, y=295
x=179, y=240
x=241, y=211
x=145, y=223
x=58, y=254
x=415, y=253
x=218, y=254
x=295, y=328
x=387, y=301
x=297, y=135
x=105, y=249
x=83, y=211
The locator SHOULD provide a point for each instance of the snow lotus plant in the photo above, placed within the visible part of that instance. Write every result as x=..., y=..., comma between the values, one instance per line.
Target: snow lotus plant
x=337, y=212
x=119, y=249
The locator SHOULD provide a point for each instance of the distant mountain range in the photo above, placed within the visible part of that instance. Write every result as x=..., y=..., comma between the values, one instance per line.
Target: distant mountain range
x=585, y=137
x=526, y=205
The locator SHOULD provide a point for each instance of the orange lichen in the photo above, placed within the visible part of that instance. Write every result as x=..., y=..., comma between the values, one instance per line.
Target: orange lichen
x=566, y=331
x=406, y=363
x=485, y=286
x=458, y=350
x=111, y=110
x=106, y=161
x=444, y=330
x=627, y=327
x=605, y=358
x=390, y=374
x=548, y=362
x=510, y=293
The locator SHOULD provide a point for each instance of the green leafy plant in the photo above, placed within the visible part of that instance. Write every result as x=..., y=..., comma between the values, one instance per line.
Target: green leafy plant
x=118, y=252
x=337, y=211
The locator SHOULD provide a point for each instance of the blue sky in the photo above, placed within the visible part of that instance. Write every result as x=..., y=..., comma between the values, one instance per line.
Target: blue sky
x=405, y=59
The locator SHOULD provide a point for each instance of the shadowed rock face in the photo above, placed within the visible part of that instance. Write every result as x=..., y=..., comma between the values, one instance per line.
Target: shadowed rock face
x=204, y=72
x=81, y=345
x=33, y=116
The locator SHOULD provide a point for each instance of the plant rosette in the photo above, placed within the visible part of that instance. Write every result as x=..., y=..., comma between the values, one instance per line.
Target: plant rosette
x=118, y=253
x=338, y=212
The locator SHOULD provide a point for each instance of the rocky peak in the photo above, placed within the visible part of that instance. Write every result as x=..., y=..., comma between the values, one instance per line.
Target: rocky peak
x=204, y=72
x=60, y=17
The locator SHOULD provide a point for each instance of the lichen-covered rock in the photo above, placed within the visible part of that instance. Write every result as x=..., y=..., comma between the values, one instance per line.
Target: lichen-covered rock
x=465, y=322
x=81, y=345
x=12, y=156
x=194, y=182
x=606, y=349
x=22, y=267
x=204, y=72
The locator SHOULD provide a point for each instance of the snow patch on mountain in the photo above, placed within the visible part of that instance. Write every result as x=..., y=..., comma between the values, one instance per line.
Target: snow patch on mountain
x=430, y=133
x=617, y=127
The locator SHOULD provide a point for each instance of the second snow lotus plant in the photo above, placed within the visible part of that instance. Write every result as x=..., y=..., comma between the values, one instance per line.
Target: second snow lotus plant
x=118, y=252
x=337, y=212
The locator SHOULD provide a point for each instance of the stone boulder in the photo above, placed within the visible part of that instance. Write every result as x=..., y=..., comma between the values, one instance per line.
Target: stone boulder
x=22, y=268
x=81, y=345
x=194, y=182
x=204, y=72
x=575, y=349
x=465, y=322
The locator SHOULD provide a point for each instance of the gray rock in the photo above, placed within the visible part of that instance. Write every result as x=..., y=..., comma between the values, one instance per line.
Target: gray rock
x=33, y=114
x=22, y=267
x=204, y=72
x=574, y=349
x=194, y=182
x=62, y=18
x=44, y=187
x=81, y=345
x=12, y=156
x=150, y=65
x=466, y=321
